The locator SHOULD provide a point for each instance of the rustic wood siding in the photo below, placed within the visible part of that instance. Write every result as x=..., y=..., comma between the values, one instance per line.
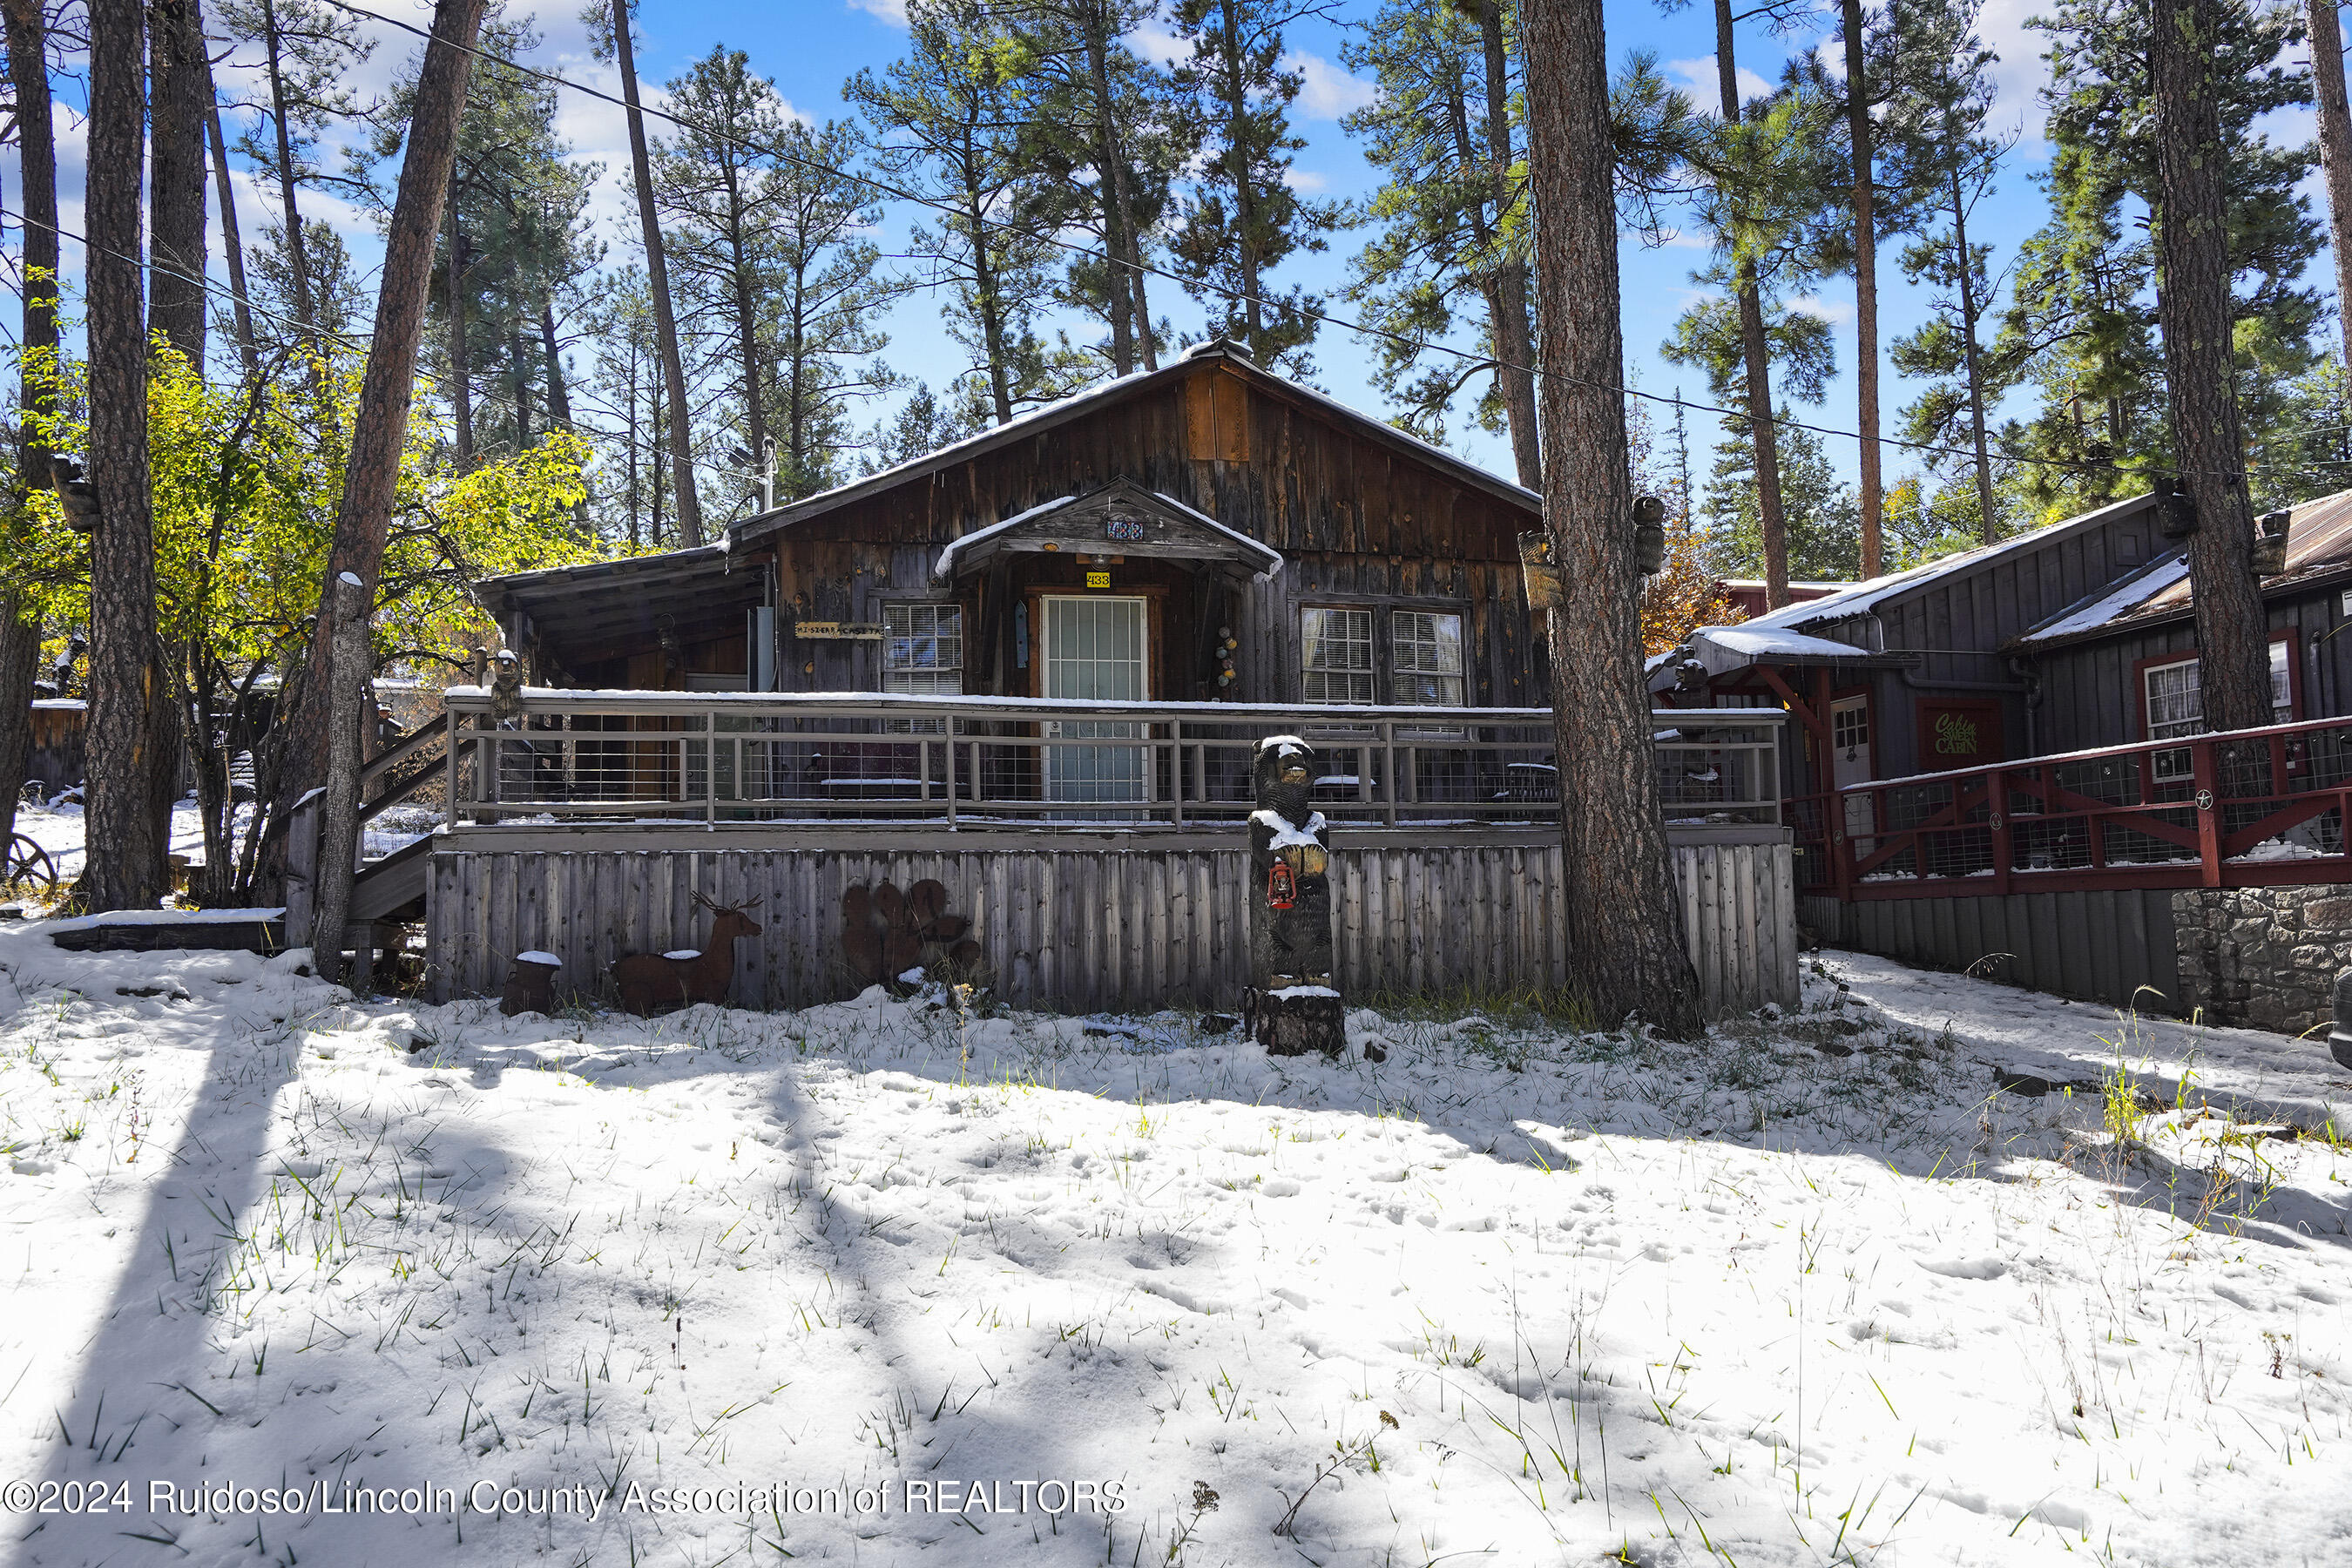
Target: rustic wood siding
x=1083, y=928
x=2091, y=693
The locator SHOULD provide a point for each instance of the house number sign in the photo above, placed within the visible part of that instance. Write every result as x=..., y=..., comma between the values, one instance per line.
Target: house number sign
x=837, y=631
x=1126, y=528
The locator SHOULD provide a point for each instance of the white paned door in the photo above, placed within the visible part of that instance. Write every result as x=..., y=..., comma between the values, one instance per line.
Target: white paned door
x=1095, y=652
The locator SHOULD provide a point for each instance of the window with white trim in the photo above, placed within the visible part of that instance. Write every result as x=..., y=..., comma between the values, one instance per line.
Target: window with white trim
x=2175, y=704
x=1425, y=650
x=922, y=653
x=1335, y=656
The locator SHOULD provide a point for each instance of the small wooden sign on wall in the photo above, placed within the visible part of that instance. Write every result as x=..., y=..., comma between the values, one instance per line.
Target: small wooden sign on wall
x=837, y=631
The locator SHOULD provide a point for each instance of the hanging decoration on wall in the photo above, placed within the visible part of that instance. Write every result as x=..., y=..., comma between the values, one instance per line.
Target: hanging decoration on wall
x=887, y=935
x=1227, y=646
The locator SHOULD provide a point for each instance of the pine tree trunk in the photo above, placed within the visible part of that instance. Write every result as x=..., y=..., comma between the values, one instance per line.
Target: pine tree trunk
x=232, y=243
x=991, y=327
x=2335, y=150
x=298, y=264
x=1237, y=167
x=461, y=376
x=131, y=694
x=1111, y=182
x=372, y=474
x=1514, y=338
x=1859, y=131
x=559, y=397
x=339, y=815
x=1756, y=356
x=176, y=176
x=20, y=637
x=1972, y=364
x=681, y=430
x=1625, y=930
x=2193, y=304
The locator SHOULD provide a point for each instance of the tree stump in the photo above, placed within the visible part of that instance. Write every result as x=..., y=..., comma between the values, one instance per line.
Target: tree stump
x=1293, y=1004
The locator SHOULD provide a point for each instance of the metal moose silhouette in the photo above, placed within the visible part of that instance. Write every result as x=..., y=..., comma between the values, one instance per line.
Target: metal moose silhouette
x=681, y=978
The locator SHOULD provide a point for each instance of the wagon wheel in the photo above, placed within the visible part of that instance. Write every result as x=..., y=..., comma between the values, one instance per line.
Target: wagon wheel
x=28, y=862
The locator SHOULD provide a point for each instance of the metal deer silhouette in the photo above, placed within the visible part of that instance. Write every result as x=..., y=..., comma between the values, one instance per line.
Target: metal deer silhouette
x=649, y=979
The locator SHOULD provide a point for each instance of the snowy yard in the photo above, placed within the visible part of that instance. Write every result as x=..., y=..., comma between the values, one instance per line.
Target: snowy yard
x=889, y=1283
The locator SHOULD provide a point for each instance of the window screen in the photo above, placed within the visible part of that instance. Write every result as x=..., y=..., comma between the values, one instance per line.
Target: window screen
x=1336, y=656
x=1426, y=651
x=923, y=650
x=2176, y=707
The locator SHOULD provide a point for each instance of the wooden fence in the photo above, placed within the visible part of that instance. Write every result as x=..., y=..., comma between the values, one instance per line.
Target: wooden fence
x=1080, y=922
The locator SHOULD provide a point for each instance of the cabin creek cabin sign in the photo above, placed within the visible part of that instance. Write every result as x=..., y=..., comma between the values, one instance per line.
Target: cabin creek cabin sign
x=838, y=631
x=1958, y=733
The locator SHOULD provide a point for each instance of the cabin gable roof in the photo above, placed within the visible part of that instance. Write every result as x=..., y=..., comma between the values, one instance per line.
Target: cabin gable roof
x=1250, y=452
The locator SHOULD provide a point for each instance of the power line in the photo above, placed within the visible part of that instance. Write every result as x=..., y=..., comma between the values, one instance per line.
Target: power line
x=885, y=188
x=361, y=346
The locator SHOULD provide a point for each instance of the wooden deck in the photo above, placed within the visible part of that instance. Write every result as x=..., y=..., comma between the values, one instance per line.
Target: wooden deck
x=1097, y=851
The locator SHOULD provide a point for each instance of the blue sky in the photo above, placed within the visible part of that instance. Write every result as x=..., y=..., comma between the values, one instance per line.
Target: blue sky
x=810, y=48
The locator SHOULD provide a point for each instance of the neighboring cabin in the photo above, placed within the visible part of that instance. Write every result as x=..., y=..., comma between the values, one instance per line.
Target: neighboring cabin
x=2074, y=635
x=1106, y=547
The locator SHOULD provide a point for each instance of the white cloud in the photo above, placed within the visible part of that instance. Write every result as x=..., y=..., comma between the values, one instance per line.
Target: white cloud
x=1160, y=46
x=1305, y=180
x=1330, y=92
x=1704, y=88
x=2022, y=73
x=1830, y=310
x=891, y=11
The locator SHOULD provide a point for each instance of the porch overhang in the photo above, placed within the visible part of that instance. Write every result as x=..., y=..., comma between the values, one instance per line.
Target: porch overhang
x=1727, y=650
x=581, y=613
x=1119, y=519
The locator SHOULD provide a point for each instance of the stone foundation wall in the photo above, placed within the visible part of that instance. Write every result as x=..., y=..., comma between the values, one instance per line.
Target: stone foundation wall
x=2263, y=958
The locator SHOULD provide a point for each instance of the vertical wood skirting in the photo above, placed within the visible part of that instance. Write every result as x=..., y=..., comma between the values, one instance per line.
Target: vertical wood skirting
x=1086, y=929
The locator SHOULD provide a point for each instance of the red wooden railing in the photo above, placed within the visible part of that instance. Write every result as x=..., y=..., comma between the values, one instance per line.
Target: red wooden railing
x=2248, y=808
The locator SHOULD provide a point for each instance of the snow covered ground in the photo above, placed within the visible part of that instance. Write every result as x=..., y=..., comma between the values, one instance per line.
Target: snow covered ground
x=59, y=830
x=880, y=1282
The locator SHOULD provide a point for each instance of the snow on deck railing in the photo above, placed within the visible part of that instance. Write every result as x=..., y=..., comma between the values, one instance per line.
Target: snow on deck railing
x=626, y=757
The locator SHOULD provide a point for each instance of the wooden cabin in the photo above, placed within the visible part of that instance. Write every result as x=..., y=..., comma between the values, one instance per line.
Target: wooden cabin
x=1206, y=531
x=1032, y=667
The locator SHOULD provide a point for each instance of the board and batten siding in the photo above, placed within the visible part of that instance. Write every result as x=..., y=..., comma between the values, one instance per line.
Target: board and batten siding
x=1083, y=928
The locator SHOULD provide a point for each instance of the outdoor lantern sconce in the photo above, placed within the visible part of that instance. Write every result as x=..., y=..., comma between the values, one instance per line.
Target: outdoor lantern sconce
x=1649, y=534
x=2176, y=514
x=2269, y=554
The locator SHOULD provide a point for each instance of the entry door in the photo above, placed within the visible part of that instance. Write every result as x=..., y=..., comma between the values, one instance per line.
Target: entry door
x=1095, y=652
x=1849, y=757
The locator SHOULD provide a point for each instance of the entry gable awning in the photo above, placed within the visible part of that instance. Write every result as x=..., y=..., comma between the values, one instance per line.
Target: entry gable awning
x=1121, y=518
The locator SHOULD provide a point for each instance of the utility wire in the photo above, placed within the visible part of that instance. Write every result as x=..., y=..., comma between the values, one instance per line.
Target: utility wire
x=1078, y=248
x=360, y=346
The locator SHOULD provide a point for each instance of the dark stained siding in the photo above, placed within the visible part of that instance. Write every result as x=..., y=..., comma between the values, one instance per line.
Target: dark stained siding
x=2091, y=694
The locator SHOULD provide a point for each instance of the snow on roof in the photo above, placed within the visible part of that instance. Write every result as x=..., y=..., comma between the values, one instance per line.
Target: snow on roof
x=1255, y=546
x=1771, y=642
x=944, y=567
x=2127, y=595
x=1863, y=597
x=60, y=704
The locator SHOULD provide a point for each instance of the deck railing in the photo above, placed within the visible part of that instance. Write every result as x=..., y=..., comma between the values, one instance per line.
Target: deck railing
x=2248, y=808
x=726, y=757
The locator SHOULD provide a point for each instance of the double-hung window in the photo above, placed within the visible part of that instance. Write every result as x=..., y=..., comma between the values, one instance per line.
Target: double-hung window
x=2175, y=704
x=1334, y=649
x=922, y=653
x=1425, y=652
x=1361, y=656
